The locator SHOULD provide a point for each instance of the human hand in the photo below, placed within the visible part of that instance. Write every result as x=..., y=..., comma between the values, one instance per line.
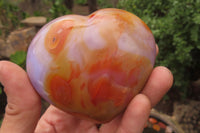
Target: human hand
x=24, y=106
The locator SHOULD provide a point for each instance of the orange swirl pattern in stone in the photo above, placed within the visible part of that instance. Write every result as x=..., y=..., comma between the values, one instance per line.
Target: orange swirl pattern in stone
x=97, y=63
x=57, y=36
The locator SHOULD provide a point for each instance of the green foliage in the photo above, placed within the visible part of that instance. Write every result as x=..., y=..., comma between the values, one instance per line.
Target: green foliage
x=58, y=9
x=81, y=2
x=9, y=11
x=38, y=13
x=104, y=3
x=25, y=15
x=10, y=16
x=19, y=58
x=176, y=27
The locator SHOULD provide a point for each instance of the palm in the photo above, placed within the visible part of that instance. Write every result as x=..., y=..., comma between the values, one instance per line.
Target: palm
x=57, y=121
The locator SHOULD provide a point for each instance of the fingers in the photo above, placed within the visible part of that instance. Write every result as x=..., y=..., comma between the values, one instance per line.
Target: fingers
x=136, y=115
x=57, y=121
x=159, y=83
x=23, y=108
x=49, y=121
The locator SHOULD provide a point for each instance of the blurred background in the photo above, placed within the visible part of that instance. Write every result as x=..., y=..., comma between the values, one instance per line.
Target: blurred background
x=175, y=25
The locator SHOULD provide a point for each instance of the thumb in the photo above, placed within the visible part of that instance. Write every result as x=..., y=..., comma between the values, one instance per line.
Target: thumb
x=23, y=108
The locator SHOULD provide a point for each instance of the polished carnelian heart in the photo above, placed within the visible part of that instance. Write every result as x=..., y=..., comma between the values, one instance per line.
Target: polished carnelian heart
x=92, y=66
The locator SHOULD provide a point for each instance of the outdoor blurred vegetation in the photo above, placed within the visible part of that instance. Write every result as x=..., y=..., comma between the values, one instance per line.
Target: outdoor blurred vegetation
x=176, y=27
x=174, y=23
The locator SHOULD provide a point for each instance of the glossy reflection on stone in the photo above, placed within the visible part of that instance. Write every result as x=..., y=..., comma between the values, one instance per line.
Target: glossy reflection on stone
x=92, y=66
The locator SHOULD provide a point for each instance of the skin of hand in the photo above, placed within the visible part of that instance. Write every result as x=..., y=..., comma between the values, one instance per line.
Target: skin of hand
x=23, y=111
